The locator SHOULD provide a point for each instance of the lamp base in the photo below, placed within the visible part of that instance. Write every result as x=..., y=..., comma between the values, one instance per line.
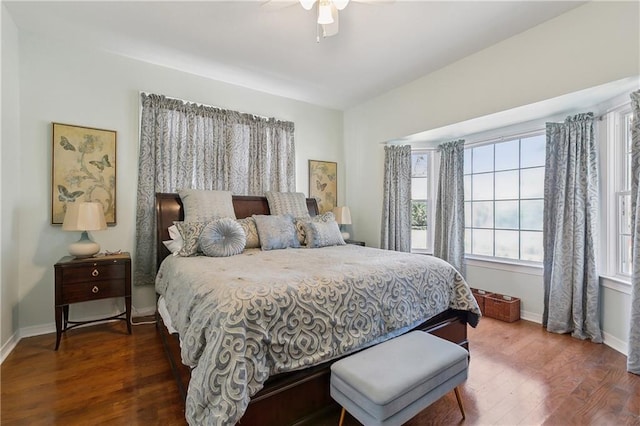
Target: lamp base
x=84, y=247
x=345, y=235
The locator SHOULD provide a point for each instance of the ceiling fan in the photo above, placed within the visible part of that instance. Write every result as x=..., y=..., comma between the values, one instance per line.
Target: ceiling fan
x=327, y=12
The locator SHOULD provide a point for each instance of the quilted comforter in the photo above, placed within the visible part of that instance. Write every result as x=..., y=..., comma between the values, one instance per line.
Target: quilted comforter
x=246, y=317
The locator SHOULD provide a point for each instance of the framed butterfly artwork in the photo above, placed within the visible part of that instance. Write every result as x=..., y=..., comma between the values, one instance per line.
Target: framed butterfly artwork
x=323, y=184
x=83, y=169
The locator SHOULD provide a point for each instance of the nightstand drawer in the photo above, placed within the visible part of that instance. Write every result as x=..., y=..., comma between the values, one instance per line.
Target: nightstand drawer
x=81, y=292
x=93, y=272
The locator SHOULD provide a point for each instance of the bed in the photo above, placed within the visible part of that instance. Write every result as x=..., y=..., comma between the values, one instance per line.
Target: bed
x=263, y=356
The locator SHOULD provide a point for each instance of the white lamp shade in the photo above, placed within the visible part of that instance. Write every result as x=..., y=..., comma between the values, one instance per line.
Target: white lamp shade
x=307, y=4
x=86, y=216
x=340, y=4
x=343, y=215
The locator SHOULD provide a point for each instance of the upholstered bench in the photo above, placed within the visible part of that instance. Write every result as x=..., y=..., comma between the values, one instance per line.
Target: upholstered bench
x=390, y=383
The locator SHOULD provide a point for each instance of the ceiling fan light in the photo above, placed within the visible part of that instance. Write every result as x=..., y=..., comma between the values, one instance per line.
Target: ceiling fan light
x=324, y=14
x=340, y=4
x=307, y=4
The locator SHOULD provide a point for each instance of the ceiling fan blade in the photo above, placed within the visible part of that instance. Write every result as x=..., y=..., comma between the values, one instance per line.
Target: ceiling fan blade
x=329, y=30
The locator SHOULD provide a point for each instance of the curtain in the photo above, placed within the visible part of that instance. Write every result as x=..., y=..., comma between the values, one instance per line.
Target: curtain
x=396, y=204
x=571, y=286
x=185, y=145
x=449, y=224
x=633, y=358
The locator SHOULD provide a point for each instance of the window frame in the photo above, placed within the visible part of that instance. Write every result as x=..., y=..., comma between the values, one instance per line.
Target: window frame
x=517, y=263
x=430, y=200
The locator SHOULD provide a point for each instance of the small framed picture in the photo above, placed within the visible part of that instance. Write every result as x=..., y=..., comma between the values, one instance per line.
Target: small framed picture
x=83, y=169
x=323, y=184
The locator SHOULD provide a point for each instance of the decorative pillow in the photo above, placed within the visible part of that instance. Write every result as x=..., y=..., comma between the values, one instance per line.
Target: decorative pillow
x=293, y=203
x=175, y=243
x=203, y=206
x=190, y=232
x=300, y=221
x=249, y=227
x=221, y=238
x=276, y=232
x=323, y=234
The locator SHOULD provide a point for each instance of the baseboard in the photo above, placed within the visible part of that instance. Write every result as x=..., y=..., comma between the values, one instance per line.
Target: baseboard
x=615, y=343
x=8, y=347
x=531, y=316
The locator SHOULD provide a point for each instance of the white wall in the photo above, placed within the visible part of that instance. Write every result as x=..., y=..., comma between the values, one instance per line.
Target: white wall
x=10, y=187
x=591, y=45
x=74, y=85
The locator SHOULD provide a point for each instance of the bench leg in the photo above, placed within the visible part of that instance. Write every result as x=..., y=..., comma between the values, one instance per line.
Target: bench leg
x=341, y=417
x=459, y=403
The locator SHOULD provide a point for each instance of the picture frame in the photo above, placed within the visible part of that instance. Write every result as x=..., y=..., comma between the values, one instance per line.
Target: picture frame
x=83, y=169
x=323, y=184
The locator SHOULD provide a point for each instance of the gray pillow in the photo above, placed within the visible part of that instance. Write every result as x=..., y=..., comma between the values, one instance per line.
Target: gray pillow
x=222, y=238
x=300, y=221
x=190, y=232
x=249, y=227
x=323, y=234
x=293, y=203
x=204, y=206
x=276, y=232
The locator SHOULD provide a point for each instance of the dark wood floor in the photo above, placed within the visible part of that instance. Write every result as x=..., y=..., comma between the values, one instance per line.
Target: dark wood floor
x=519, y=374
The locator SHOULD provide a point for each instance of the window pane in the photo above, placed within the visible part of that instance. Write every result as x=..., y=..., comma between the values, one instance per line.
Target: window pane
x=419, y=188
x=507, y=185
x=467, y=214
x=532, y=151
x=482, y=186
x=482, y=242
x=625, y=255
x=419, y=165
x=532, y=183
x=506, y=215
x=483, y=159
x=467, y=161
x=507, y=155
x=531, y=214
x=418, y=214
x=624, y=213
x=418, y=238
x=507, y=244
x=467, y=240
x=531, y=246
x=482, y=214
x=467, y=187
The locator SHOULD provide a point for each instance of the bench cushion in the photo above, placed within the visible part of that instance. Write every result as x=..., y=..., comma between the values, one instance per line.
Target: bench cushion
x=387, y=378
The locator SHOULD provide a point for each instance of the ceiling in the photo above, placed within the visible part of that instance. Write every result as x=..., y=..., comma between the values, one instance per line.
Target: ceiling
x=272, y=47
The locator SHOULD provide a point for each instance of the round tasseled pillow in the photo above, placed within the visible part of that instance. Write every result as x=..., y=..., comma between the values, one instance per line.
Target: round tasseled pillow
x=221, y=238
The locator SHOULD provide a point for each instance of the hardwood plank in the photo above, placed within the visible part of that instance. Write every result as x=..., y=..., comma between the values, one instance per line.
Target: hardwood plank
x=519, y=375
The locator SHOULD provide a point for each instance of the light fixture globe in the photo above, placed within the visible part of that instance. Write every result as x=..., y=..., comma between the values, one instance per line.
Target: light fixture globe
x=340, y=4
x=307, y=4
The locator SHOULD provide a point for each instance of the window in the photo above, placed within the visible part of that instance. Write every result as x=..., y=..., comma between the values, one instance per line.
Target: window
x=623, y=193
x=420, y=201
x=504, y=190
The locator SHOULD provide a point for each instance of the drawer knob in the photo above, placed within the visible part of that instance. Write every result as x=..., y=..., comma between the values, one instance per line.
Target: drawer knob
x=95, y=289
x=95, y=273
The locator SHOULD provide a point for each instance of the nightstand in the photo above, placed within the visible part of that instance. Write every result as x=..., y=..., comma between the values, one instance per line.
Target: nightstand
x=93, y=278
x=354, y=242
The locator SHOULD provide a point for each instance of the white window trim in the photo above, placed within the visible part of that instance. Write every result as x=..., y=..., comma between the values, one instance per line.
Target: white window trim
x=502, y=264
x=613, y=178
x=434, y=167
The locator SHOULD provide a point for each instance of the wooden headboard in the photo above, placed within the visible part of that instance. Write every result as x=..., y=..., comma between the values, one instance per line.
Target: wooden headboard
x=169, y=209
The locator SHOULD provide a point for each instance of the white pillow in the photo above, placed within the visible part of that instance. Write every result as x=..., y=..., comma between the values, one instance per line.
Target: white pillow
x=175, y=243
x=204, y=205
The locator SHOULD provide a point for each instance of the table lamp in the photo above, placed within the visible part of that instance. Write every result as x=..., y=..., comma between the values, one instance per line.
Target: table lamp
x=84, y=216
x=343, y=217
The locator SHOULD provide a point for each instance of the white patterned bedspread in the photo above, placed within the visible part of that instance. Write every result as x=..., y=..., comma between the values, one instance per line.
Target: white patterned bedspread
x=246, y=317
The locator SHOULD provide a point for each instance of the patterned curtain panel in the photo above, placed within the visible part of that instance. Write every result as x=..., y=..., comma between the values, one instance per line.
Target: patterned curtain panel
x=633, y=359
x=185, y=145
x=571, y=203
x=396, y=204
x=449, y=226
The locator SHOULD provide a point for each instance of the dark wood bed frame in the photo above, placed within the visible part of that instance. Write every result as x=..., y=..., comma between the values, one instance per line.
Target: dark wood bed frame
x=298, y=397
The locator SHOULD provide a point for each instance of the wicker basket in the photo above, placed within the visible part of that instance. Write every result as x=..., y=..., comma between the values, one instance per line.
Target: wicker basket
x=501, y=307
x=480, y=296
